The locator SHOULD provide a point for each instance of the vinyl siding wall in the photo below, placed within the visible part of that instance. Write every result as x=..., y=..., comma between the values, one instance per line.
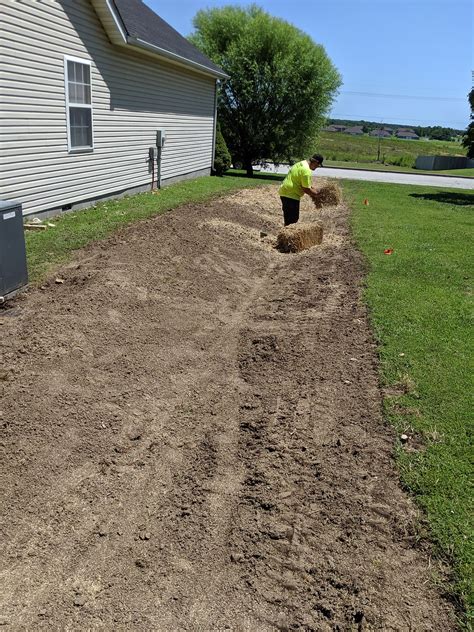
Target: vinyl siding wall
x=133, y=95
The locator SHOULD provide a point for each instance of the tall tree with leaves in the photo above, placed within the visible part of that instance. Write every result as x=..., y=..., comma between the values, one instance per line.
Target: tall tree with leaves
x=281, y=84
x=468, y=140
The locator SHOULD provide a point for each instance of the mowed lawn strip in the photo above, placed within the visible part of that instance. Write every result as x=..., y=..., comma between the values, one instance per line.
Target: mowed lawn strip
x=420, y=302
x=74, y=230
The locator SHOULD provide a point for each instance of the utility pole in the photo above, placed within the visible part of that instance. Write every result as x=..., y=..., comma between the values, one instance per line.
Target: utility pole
x=378, y=144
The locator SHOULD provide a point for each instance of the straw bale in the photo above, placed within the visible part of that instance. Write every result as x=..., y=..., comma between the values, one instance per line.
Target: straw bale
x=328, y=195
x=298, y=237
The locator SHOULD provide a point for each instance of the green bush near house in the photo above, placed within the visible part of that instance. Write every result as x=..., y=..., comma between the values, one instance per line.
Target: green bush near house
x=222, y=158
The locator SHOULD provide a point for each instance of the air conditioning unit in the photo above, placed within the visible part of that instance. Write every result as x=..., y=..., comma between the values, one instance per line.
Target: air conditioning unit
x=13, y=270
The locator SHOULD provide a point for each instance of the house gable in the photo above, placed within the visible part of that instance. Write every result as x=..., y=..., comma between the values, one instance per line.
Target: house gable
x=111, y=21
x=133, y=24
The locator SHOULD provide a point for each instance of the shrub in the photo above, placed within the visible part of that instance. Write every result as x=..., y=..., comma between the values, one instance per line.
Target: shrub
x=401, y=161
x=222, y=159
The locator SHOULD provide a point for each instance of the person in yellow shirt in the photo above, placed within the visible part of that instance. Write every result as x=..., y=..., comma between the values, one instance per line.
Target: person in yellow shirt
x=295, y=185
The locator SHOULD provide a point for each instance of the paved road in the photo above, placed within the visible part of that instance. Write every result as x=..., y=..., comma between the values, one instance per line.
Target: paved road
x=386, y=176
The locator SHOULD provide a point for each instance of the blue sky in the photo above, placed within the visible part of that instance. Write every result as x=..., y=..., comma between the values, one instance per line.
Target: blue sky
x=402, y=61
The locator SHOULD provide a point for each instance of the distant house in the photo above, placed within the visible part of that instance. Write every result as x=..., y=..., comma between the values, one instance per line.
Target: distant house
x=380, y=133
x=406, y=134
x=335, y=128
x=355, y=131
x=88, y=89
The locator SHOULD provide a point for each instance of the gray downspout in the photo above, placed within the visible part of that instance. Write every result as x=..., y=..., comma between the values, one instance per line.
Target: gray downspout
x=158, y=167
x=214, y=132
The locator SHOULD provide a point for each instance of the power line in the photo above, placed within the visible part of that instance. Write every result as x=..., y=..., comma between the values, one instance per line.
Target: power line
x=401, y=96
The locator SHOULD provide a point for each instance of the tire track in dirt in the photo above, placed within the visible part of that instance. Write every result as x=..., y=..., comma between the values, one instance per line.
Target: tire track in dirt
x=157, y=445
x=193, y=439
x=321, y=530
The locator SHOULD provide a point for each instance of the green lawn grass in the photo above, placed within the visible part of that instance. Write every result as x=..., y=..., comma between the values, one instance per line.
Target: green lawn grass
x=464, y=173
x=74, y=230
x=420, y=303
x=393, y=151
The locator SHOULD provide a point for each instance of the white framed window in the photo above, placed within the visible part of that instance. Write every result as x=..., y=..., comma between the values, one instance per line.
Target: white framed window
x=80, y=124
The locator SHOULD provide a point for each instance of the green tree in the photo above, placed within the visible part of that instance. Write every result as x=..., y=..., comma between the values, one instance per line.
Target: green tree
x=441, y=133
x=281, y=83
x=468, y=140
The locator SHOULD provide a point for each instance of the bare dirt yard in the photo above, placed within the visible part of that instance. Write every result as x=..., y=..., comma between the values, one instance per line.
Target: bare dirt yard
x=192, y=438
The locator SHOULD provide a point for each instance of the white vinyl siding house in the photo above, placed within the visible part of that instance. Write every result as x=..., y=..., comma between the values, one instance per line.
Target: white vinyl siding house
x=78, y=113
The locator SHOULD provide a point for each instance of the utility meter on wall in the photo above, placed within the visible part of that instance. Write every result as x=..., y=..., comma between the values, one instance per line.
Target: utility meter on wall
x=160, y=137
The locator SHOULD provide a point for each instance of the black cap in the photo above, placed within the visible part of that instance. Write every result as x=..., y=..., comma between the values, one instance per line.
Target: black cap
x=317, y=158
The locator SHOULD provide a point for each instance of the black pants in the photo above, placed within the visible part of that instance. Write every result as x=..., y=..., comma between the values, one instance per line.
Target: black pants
x=291, y=210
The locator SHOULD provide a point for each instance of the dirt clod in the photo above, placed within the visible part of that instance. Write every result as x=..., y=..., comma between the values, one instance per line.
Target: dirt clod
x=236, y=557
x=80, y=600
x=141, y=563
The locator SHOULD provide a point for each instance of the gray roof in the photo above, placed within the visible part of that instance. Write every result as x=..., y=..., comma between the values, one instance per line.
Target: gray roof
x=407, y=134
x=380, y=132
x=141, y=22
